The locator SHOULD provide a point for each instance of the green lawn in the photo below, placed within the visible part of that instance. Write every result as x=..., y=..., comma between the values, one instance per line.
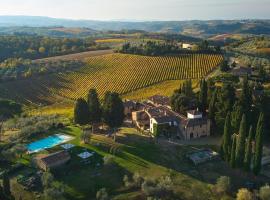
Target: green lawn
x=136, y=153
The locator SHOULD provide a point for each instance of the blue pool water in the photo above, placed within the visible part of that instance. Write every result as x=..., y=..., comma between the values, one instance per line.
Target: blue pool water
x=48, y=142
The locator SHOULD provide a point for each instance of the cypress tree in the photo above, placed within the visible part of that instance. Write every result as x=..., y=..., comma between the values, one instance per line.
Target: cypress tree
x=212, y=110
x=113, y=110
x=236, y=116
x=246, y=97
x=203, y=96
x=6, y=185
x=240, y=147
x=233, y=151
x=81, y=112
x=226, y=145
x=248, y=150
x=2, y=195
x=258, y=145
x=94, y=107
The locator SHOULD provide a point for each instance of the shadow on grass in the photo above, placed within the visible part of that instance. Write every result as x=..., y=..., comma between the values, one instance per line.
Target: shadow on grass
x=143, y=150
x=83, y=178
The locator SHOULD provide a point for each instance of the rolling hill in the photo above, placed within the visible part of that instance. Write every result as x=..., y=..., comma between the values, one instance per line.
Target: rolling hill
x=121, y=73
x=194, y=27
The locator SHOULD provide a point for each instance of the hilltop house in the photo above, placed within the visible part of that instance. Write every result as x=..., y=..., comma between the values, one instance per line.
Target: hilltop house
x=187, y=46
x=47, y=162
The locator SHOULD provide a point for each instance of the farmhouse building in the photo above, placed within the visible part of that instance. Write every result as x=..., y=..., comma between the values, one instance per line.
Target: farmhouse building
x=157, y=118
x=162, y=121
x=241, y=71
x=195, y=125
x=129, y=107
x=53, y=160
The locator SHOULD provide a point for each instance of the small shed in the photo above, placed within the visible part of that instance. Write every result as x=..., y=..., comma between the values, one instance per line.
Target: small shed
x=47, y=162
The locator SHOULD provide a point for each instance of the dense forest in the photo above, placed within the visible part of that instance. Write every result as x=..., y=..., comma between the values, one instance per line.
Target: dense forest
x=34, y=47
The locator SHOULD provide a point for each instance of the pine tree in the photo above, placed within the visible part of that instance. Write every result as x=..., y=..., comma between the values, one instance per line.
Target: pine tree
x=240, y=147
x=6, y=185
x=233, y=151
x=248, y=150
x=258, y=145
x=94, y=107
x=227, y=137
x=81, y=112
x=203, y=96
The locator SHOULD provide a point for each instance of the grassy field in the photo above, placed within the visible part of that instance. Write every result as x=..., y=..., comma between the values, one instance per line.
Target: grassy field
x=136, y=153
x=120, y=73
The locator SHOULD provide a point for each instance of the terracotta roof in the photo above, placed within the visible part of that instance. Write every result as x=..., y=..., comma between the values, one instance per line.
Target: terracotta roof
x=165, y=119
x=161, y=100
x=129, y=103
x=55, y=157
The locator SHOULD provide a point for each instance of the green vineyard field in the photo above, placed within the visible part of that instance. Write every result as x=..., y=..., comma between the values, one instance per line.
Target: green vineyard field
x=121, y=73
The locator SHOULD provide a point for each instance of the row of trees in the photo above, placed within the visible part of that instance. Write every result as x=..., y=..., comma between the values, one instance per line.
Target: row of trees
x=244, y=149
x=91, y=111
x=241, y=111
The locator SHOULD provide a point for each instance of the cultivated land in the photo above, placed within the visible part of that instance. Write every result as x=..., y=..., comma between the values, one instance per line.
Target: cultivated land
x=120, y=73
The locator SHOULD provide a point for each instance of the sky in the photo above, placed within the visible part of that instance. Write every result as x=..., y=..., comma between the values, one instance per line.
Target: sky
x=139, y=9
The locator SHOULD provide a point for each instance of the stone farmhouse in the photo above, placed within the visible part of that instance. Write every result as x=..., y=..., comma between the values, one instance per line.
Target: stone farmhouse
x=156, y=117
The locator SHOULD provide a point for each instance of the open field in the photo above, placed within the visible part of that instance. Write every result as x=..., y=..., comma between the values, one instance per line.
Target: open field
x=136, y=153
x=120, y=73
x=77, y=56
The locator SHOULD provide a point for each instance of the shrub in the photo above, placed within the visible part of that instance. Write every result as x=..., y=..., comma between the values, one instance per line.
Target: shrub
x=264, y=192
x=102, y=194
x=244, y=194
x=149, y=187
x=108, y=160
x=223, y=185
x=138, y=179
x=47, y=179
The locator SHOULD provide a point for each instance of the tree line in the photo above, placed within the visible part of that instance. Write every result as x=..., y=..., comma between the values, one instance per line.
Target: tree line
x=34, y=47
x=153, y=48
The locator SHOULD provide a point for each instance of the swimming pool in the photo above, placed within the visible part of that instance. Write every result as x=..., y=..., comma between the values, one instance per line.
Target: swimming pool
x=48, y=142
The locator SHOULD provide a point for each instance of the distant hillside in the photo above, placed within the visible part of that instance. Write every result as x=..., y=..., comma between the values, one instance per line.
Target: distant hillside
x=54, y=31
x=195, y=28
